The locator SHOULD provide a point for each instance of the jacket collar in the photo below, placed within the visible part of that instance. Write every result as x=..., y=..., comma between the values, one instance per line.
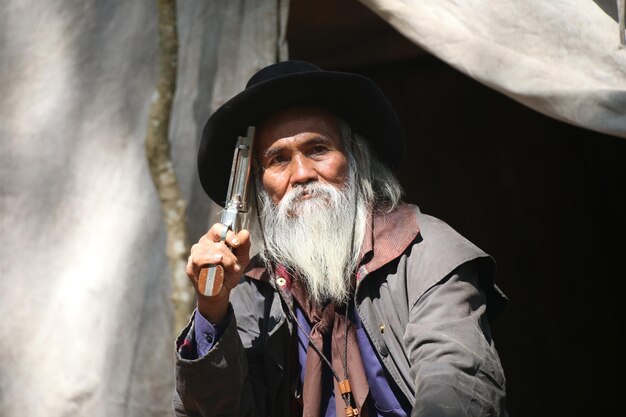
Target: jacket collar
x=386, y=238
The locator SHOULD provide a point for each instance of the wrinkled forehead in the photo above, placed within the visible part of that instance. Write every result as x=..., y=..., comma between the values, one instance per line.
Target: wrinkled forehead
x=295, y=120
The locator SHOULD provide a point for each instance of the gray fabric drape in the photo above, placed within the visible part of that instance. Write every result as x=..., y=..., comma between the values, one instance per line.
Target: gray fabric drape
x=561, y=58
x=84, y=292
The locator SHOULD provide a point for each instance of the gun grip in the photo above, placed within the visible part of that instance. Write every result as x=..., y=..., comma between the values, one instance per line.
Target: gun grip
x=210, y=280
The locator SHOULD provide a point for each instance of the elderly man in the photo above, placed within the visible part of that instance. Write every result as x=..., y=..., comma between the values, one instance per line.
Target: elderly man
x=357, y=303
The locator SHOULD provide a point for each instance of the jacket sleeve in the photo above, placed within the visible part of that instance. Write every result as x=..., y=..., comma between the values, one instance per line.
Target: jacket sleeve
x=229, y=379
x=453, y=359
x=216, y=383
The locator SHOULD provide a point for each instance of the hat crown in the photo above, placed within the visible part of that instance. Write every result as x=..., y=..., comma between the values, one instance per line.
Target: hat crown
x=281, y=69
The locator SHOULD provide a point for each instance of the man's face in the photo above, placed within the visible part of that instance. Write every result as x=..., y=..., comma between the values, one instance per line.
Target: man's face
x=300, y=145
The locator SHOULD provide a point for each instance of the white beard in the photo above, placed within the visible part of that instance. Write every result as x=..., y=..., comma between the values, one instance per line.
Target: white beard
x=319, y=238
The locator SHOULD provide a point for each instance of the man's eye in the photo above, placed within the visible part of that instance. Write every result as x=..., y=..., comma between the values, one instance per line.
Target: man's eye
x=276, y=160
x=319, y=149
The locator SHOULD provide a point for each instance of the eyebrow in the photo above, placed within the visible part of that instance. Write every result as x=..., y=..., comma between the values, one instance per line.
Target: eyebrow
x=317, y=140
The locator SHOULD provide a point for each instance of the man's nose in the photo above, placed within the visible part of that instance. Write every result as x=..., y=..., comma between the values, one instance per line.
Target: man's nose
x=303, y=170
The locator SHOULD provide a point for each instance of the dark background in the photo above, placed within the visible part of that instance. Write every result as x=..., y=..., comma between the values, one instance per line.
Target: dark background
x=543, y=197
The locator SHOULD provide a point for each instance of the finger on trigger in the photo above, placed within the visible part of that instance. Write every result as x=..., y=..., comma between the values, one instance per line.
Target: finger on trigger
x=215, y=232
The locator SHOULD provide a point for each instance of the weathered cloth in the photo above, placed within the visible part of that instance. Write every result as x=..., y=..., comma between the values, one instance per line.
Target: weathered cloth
x=423, y=303
x=77, y=81
x=560, y=58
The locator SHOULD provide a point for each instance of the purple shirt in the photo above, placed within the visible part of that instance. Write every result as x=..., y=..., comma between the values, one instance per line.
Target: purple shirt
x=206, y=334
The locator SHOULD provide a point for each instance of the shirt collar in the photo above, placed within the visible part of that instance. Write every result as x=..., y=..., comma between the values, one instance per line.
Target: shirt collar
x=387, y=237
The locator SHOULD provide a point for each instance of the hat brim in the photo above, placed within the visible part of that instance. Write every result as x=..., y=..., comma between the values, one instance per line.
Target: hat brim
x=352, y=97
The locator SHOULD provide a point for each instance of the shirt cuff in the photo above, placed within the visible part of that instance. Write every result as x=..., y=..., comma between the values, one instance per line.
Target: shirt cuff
x=206, y=333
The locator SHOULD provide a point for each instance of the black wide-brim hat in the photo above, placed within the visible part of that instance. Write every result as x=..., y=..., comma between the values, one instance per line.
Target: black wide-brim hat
x=354, y=98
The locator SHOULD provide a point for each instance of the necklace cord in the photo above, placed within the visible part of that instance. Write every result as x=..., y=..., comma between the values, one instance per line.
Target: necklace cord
x=347, y=397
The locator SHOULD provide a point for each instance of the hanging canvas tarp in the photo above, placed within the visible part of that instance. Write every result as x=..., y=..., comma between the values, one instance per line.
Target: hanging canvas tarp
x=86, y=325
x=561, y=58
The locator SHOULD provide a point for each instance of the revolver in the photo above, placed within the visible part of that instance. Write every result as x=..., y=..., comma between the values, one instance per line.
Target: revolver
x=211, y=277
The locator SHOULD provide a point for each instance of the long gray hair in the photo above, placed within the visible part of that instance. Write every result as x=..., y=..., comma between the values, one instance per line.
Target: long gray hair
x=376, y=183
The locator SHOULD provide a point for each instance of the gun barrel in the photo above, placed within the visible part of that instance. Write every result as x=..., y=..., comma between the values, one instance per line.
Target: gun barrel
x=211, y=277
x=240, y=172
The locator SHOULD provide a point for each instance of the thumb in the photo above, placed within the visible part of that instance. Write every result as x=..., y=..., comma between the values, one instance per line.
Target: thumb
x=242, y=251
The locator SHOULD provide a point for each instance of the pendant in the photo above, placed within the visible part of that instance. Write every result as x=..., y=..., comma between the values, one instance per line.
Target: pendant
x=345, y=390
x=351, y=412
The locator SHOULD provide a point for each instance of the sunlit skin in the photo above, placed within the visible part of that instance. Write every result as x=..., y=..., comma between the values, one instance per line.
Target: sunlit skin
x=294, y=146
x=300, y=145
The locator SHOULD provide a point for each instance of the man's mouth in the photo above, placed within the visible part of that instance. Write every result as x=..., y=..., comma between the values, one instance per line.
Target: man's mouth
x=305, y=196
x=309, y=198
x=302, y=198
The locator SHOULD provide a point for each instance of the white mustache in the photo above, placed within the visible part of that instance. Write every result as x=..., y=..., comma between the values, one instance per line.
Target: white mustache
x=313, y=190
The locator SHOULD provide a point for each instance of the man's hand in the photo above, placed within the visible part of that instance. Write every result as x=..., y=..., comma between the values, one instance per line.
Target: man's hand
x=211, y=251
